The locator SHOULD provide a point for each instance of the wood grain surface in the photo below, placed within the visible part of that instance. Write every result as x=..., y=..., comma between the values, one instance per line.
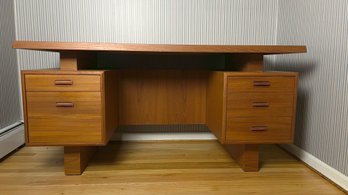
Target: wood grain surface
x=244, y=62
x=70, y=107
x=276, y=83
x=157, y=168
x=246, y=155
x=260, y=104
x=51, y=125
x=80, y=46
x=267, y=130
x=73, y=61
x=48, y=82
x=162, y=97
x=110, y=103
x=76, y=158
x=216, y=104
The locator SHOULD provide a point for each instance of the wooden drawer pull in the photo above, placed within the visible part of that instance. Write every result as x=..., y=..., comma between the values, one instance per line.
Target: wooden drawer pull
x=63, y=82
x=260, y=104
x=64, y=104
x=258, y=128
x=261, y=83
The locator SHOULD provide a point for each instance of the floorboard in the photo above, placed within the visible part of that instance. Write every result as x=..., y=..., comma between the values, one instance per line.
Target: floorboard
x=162, y=167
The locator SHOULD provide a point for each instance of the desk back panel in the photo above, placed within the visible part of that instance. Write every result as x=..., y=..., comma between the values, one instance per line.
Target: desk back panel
x=167, y=88
x=162, y=97
x=162, y=89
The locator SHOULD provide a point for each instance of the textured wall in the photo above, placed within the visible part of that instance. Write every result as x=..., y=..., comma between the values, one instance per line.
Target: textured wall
x=322, y=122
x=139, y=21
x=9, y=87
x=319, y=24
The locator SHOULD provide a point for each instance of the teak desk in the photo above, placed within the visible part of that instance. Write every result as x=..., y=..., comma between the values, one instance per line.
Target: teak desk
x=101, y=86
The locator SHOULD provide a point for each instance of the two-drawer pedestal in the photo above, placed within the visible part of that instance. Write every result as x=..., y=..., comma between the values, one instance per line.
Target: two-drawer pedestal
x=69, y=108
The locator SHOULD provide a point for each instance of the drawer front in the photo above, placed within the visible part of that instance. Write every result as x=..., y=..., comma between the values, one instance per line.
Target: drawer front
x=259, y=104
x=59, y=118
x=62, y=82
x=260, y=84
x=259, y=130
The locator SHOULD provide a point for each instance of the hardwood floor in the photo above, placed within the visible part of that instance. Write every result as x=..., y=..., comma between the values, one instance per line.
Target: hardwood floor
x=166, y=167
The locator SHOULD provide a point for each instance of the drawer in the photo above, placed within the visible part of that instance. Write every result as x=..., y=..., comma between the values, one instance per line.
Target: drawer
x=259, y=130
x=35, y=82
x=62, y=118
x=260, y=84
x=259, y=104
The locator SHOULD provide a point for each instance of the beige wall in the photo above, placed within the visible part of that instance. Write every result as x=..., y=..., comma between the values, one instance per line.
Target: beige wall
x=322, y=122
x=319, y=24
x=139, y=21
x=9, y=87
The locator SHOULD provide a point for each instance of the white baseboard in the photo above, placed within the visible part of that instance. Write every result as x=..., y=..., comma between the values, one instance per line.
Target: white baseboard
x=11, y=126
x=166, y=136
x=11, y=140
x=323, y=168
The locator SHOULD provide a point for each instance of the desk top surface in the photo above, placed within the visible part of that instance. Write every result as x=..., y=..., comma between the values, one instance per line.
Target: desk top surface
x=158, y=48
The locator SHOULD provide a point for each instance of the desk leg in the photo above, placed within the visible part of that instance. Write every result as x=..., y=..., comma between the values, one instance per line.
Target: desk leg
x=76, y=158
x=246, y=155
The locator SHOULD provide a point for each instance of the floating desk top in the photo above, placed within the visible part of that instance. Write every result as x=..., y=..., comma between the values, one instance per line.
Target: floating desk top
x=158, y=48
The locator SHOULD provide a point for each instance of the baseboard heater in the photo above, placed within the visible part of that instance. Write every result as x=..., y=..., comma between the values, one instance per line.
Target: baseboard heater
x=11, y=137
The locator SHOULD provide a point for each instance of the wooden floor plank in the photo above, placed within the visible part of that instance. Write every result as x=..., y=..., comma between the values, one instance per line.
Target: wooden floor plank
x=165, y=167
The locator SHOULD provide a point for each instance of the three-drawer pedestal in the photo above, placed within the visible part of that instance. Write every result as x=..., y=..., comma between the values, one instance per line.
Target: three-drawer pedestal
x=252, y=108
x=248, y=109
